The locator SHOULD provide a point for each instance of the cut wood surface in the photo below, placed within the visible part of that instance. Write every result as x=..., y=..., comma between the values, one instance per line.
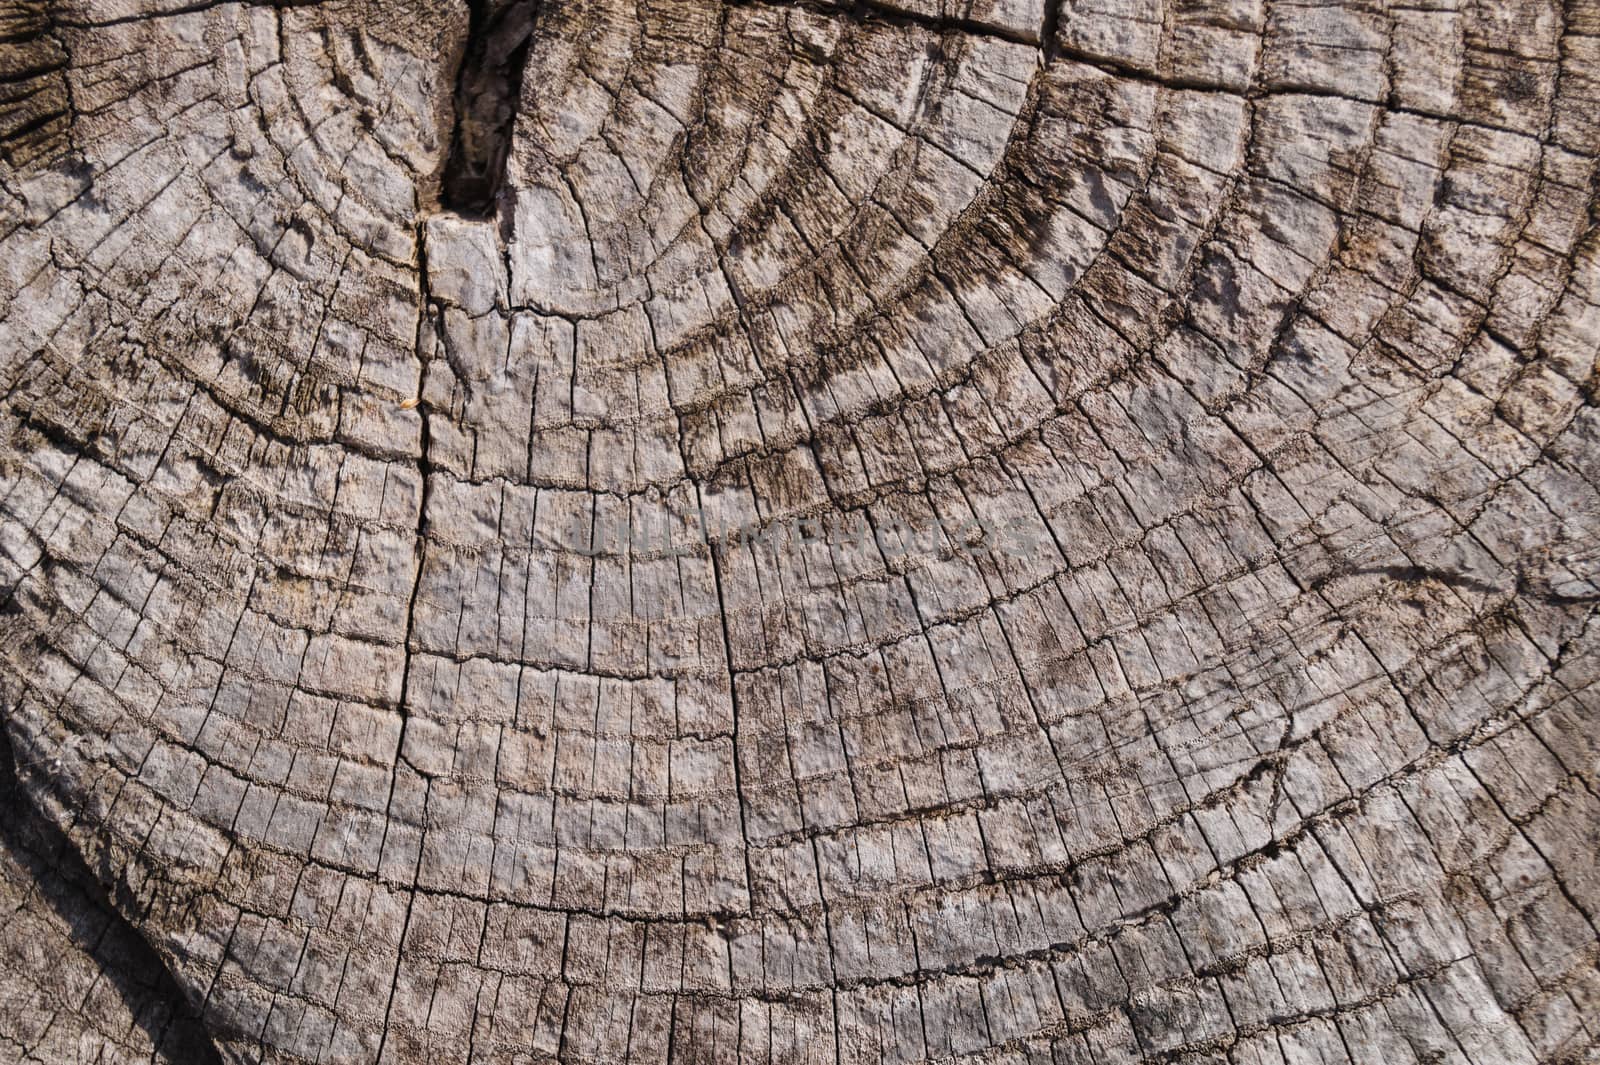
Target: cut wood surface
x=685, y=531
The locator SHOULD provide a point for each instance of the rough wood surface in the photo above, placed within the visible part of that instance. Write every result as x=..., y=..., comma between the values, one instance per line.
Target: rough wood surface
x=687, y=531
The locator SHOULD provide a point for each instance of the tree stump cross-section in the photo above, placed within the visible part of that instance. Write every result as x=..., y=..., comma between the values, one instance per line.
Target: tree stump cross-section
x=799, y=532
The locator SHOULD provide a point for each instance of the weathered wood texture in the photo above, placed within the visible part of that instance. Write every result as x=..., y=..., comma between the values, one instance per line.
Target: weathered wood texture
x=410, y=648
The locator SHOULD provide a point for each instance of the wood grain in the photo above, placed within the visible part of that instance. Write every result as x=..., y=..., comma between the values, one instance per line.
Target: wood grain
x=689, y=531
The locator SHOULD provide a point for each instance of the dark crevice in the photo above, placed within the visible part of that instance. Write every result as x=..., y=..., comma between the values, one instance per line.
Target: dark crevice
x=1050, y=30
x=62, y=879
x=488, y=88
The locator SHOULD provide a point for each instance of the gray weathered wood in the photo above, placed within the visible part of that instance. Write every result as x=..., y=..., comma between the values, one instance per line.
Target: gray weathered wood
x=799, y=532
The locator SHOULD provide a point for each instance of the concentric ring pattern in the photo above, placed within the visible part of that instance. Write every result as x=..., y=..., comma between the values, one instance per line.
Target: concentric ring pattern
x=943, y=532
